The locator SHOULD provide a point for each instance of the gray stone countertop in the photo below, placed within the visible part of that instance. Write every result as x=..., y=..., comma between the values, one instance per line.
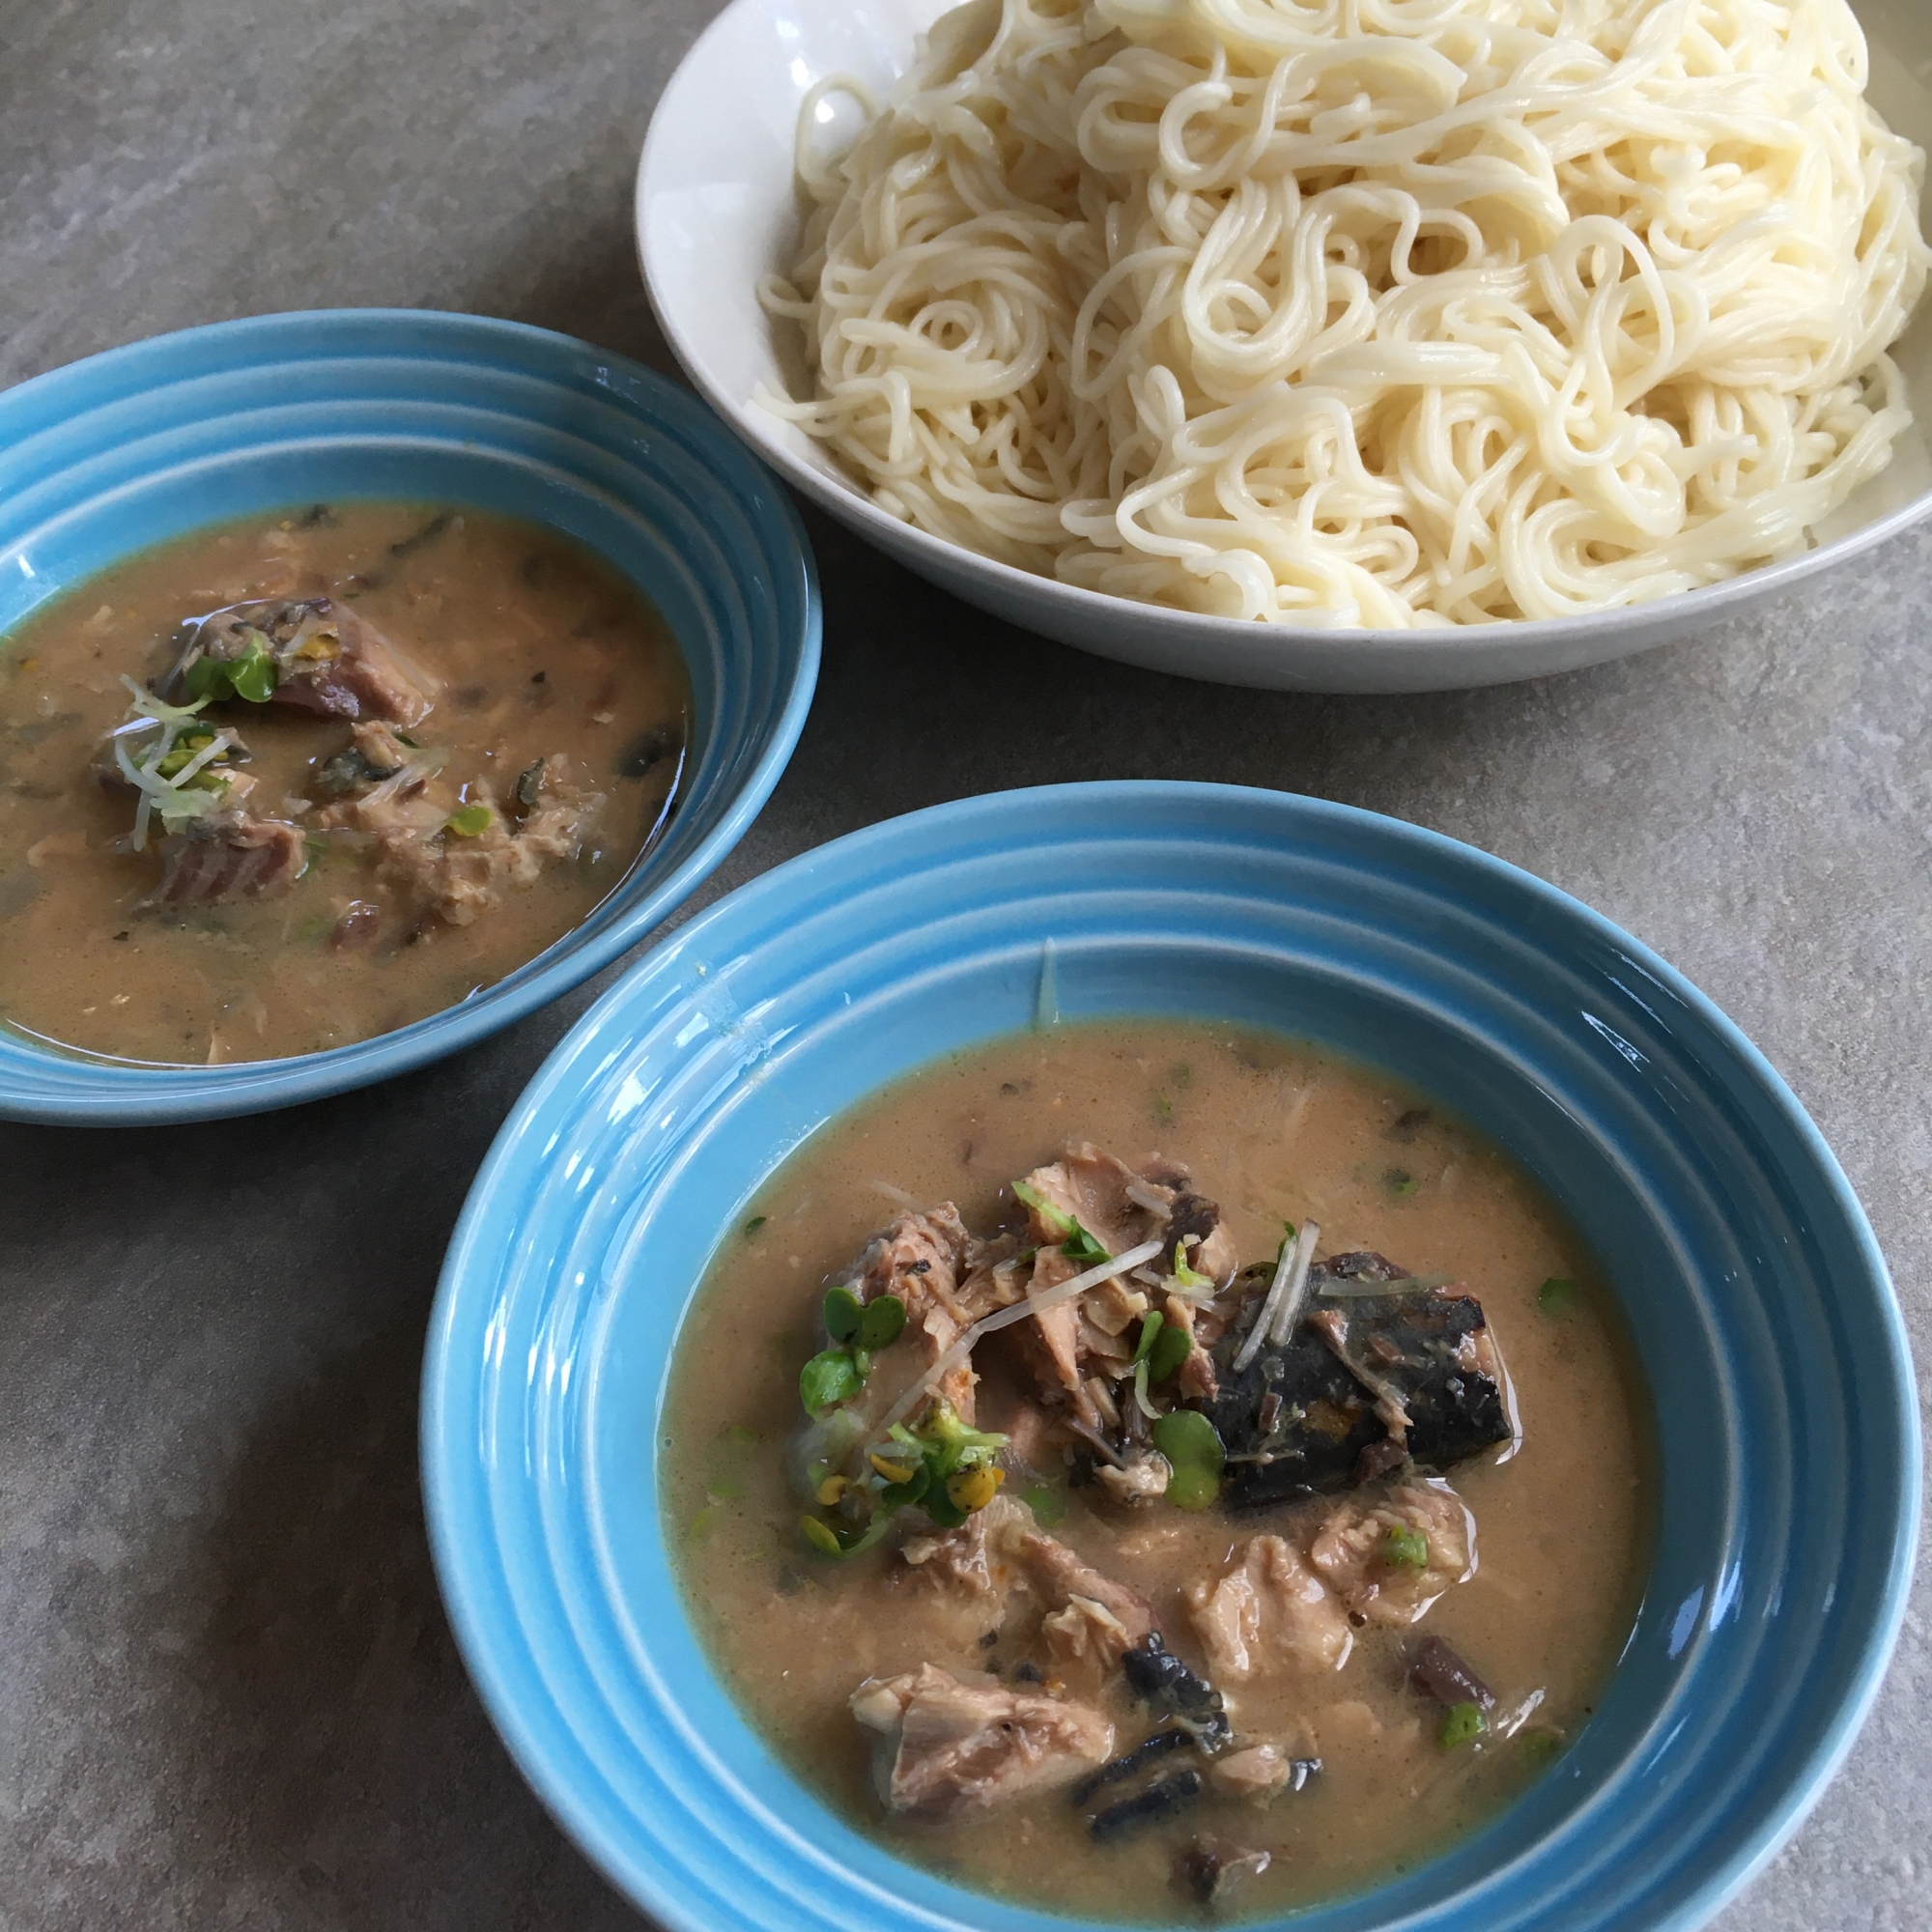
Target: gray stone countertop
x=228, y=1696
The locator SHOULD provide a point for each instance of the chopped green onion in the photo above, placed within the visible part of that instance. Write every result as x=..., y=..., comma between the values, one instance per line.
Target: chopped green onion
x=1082, y=1248
x=756, y=1222
x=843, y=1313
x=1047, y=1503
x=740, y=1436
x=1172, y=1346
x=1162, y=1348
x=881, y=1323
x=1463, y=1724
x=821, y=1536
x=1075, y=1242
x=949, y=1445
x=1058, y=1225
x=1193, y=1451
x=185, y=747
x=1400, y=1183
x=1406, y=1548
x=1557, y=1296
x=836, y=1540
x=829, y=1378
x=469, y=821
x=1186, y=1276
x=1151, y=1327
x=1163, y=1109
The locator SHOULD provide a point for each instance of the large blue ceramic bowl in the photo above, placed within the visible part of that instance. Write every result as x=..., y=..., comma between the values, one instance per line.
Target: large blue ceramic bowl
x=112, y=455
x=1766, y=1324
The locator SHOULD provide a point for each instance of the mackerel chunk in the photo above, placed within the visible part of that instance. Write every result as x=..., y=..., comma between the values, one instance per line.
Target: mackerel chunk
x=1366, y=1383
x=227, y=855
x=328, y=659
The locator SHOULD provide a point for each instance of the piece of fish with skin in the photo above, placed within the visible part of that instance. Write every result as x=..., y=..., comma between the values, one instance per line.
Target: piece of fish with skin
x=1362, y=1384
x=328, y=660
x=227, y=855
x=1169, y=1687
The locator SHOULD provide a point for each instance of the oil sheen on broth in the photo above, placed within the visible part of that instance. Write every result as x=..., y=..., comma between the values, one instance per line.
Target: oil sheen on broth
x=1422, y=1613
x=296, y=781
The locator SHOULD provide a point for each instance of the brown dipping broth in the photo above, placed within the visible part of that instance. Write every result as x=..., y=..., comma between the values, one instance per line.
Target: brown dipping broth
x=540, y=648
x=1273, y=1131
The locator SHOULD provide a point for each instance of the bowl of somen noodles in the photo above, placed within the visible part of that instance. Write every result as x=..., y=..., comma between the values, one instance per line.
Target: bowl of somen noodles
x=1352, y=345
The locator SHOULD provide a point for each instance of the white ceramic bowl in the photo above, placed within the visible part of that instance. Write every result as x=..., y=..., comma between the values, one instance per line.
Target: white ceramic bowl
x=716, y=209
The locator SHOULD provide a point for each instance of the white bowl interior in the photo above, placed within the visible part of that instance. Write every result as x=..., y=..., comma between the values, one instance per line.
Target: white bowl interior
x=718, y=208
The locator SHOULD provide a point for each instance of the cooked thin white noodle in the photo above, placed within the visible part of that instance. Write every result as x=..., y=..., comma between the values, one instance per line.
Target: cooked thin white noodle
x=1383, y=312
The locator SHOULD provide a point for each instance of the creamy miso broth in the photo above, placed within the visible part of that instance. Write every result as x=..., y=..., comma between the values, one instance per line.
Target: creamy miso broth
x=1338, y=1677
x=299, y=780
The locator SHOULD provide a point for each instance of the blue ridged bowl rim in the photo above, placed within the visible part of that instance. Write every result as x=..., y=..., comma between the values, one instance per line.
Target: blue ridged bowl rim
x=1776, y=1356
x=107, y=456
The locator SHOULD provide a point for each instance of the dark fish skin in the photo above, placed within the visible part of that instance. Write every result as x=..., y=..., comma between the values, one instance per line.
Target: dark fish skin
x=1165, y=1683
x=1162, y=1796
x=1192, y=1218
x=1439, y=1672
x=1455, y=1411
x=1322, y=1422
x=1211, y=1866
x=1324, y=1430
x=1156, y=1744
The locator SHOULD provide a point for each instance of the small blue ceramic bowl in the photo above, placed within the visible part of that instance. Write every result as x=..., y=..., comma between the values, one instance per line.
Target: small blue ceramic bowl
x=110, y=456
x=1774, y=1348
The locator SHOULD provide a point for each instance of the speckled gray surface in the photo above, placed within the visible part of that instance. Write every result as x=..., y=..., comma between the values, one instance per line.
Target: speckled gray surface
x=227, y=1693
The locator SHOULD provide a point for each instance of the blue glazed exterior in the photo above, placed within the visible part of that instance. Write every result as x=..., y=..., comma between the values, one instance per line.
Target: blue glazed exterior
x=1785, y=1415
x=109, y=456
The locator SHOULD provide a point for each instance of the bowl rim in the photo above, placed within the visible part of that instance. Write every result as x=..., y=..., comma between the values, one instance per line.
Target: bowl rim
x=132, y=1094
x=840, y=498
x=1774, y=1818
